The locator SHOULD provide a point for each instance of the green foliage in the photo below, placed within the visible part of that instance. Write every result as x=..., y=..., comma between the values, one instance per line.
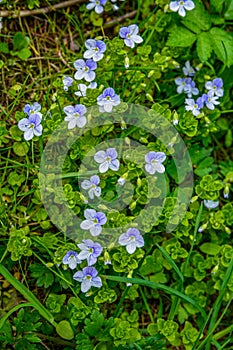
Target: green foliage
x=208, y=188
x=44, y=277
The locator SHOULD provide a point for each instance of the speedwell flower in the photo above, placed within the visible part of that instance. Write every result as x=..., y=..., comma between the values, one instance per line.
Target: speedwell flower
x=154, y=162
x=188, y=70
x=67, y=82
x=186, y=85
x=211, y=204
x=130, y=35
x=85, y=69
x=88, y=278
x=75, y=116
x=95, y=49
x=107, y=100
x=132, y=239
x=210, y=100
x=194, y=106
x=92, y=186
x=181, y=6
x=107, y=160
x=31, y=126
x=90, y=251
x=71, y=259
x=33, y=109
x=94, y=221
x=215, y=87
x=82, y=88
x=97, y=5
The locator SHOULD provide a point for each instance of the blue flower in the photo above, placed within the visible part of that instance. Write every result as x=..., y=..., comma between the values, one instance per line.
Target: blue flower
x=31, y=126
x=75, y=116
x=215, y=87
x=188, y=70
x=89, y=251
x=107, y=160
x=132, y=239
x=154, y=162
x=181, y=6
x=83, y=88
x=130, y=35
x=97, y=5
x=85, y=69
x=107, y=100
x=71, y=259
x=95, y=49
x=210, y=100
x=32, y=109
x=67, y=82
x=211, y=204
x=94, y=221
x=92, y=186
x=88, y=278
x=186, y=85
x=194, y=106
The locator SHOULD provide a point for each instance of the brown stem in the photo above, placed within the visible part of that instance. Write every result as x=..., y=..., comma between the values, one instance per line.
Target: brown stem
x=24, y=13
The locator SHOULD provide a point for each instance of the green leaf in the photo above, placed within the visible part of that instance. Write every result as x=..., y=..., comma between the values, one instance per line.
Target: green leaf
x=24, y=54
x=198, y=19
x=20, y=148
x=20, y=41
x=217, y=5
x=64, y=330
x=27, y=294
x=210, y=248
x=229, y=12
x=204, y=46
x=222, y=45
x=181, y=37
x=4, y=48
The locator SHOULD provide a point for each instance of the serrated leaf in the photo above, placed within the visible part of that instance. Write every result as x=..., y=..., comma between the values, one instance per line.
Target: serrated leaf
x=217, y=5
x=4, y=48
x=198, y=19
x=222, y=45
x=229, y=12
x=204, y=46
x=181, y=37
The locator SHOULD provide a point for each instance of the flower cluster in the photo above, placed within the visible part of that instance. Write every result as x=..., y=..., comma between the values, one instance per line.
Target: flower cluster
x=85, y=70
x=31, y=126
x=94, y=220
x=214, y=90
x=181, y=6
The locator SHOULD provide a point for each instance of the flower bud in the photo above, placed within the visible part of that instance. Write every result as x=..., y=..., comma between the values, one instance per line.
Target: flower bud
x=203, y=227
x=126, y=62
x=149, y=97
x=150, y=74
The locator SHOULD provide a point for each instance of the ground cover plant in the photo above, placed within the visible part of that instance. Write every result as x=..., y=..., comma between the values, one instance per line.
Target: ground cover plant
x=116, y=161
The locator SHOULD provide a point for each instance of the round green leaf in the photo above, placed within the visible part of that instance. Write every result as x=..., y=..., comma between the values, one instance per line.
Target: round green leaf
x=64, y=330
x=210, y=248
x=20, y=148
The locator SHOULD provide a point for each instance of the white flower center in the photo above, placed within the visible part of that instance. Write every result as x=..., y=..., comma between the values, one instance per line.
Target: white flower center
x=181, y=3
x=108, y=159
x=76, y=115
x=95, y=221
x=128, y=36
x=88, y=277
x=195, y=106
x=86, y=69
x=132, y=238
x=31, y=126
x=90, y=250
x=154, y=161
